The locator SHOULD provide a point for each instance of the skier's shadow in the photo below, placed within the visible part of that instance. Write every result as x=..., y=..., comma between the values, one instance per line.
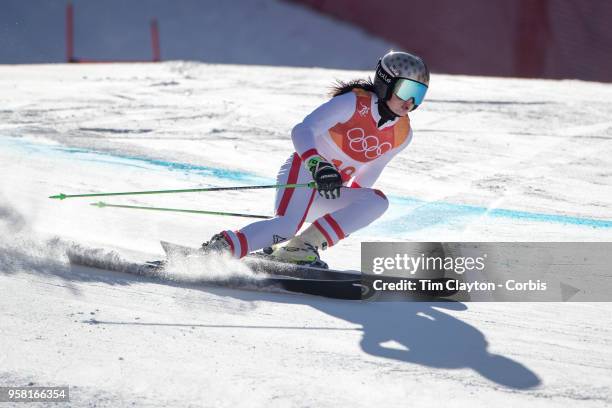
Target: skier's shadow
x=429, y=337
x=426, y=335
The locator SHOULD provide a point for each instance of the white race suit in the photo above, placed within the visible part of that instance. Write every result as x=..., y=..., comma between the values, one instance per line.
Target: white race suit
x=344, y=132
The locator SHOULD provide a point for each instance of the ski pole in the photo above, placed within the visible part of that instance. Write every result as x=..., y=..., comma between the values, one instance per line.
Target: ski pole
x=102, y=204
x=63, y=196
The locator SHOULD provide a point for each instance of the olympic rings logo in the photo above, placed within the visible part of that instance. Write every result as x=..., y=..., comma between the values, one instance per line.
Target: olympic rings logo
x=370, y=146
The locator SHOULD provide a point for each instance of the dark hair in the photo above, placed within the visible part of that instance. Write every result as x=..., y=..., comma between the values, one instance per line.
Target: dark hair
x=342, y=87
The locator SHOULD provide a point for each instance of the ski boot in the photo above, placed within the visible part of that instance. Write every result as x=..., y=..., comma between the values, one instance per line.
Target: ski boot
x=297, y=251
x=217, y=244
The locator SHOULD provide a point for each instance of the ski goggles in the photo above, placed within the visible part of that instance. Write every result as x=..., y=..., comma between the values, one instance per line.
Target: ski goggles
x=408, y=88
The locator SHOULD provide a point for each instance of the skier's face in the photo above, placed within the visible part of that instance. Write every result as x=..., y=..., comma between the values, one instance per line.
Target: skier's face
x=399, y=106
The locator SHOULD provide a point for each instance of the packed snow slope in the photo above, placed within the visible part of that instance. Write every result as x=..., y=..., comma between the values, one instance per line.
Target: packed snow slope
x=492, y=159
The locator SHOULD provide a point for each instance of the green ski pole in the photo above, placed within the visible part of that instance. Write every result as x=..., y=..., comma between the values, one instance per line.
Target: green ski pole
x=63, y=196
x=102, y=204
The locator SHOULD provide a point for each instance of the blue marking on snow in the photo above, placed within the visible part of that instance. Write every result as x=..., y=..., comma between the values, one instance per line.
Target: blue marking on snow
x=405, y=214
x=216, y=172
x=127, y=160
x=408, y=214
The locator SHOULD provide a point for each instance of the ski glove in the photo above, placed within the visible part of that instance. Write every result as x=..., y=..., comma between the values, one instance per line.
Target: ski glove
x=326, y=176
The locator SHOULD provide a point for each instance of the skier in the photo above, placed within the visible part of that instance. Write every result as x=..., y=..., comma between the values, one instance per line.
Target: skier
x=343, y=146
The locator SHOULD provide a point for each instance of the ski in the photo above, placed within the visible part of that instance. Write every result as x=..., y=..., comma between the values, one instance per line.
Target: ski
x=309, y=277
x=262, y=263
x=348, y=289
x=303, y=279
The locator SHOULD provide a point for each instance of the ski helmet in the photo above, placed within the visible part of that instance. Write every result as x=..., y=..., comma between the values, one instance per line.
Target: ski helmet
x=404, y=74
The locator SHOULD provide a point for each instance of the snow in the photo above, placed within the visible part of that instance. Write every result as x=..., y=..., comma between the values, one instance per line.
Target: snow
x=493, y=159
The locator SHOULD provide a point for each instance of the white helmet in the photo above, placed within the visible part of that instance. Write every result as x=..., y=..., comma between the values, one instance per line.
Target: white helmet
x=402, y=74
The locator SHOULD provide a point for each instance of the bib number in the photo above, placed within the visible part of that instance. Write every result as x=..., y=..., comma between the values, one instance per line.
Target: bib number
x=346, y=172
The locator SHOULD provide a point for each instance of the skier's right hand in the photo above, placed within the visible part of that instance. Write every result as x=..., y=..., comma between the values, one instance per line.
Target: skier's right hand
x=326, y=176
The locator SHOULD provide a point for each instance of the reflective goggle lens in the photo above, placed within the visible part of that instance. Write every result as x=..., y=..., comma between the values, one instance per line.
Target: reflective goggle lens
x=407, y=88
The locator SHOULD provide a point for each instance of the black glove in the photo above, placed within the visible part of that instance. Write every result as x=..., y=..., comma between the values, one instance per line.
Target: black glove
x=326, y=176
